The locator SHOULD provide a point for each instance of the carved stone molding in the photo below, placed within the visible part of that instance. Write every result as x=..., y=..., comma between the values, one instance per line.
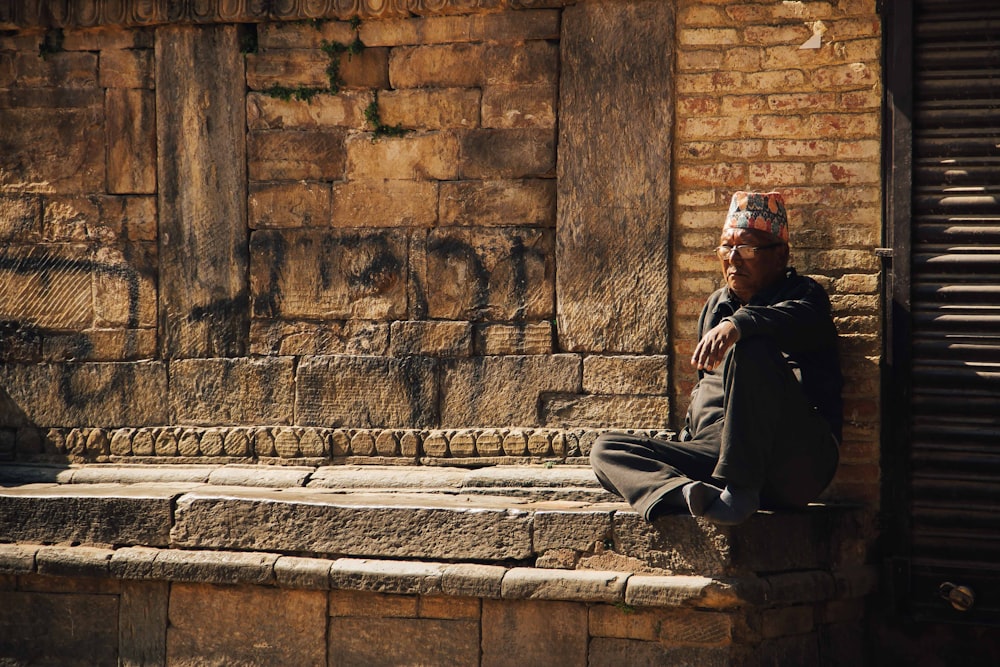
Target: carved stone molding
x=92, y=13
x=278, y=444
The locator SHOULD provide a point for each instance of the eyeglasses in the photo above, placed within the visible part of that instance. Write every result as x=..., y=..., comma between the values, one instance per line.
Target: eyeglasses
x=743, y=250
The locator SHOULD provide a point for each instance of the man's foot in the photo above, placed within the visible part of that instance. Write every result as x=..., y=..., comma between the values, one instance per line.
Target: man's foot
x=699, y=496
x=734, y=505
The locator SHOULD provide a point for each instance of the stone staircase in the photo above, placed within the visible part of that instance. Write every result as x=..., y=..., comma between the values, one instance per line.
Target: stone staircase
x=503, y=535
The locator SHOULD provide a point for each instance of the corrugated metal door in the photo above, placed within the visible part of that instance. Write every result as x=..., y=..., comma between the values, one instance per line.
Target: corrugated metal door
x=954, y=329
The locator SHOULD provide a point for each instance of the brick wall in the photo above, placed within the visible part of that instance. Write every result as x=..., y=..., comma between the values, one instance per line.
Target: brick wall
x=755, y=111
x=371, y=296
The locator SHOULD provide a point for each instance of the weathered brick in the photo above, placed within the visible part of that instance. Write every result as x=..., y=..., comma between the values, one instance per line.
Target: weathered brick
x=430, y=108
x=433, y=338
x=707, y=37
x=276, y=155
x=131, y=141
x=625, y=375
x=791, y=173
x=811, y=101
x=846, y=172
x=412, y=157
x=499, y=203
x=277, y=205
x=776, y=34
x=841, y=125
x=245, y=624
x=695, y=61
x=519, y=106
x=726, y=175
x=507, y=153
x=345, y=109
x=126, y=68
x=489, y=274
x=385, y=203
x=306, y=274
x=212, y=392
x=709, y=127
x=853, y=75
x=366, y=392
x=503, y=391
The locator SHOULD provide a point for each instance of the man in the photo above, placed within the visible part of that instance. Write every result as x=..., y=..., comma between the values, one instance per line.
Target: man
x=765, y=418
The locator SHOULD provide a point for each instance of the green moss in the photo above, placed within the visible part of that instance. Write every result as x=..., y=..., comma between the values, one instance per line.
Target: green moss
x=303, y=93
x=380, y=129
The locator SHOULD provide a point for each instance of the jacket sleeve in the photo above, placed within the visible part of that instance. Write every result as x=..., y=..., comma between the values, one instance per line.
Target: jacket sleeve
x=797, y=318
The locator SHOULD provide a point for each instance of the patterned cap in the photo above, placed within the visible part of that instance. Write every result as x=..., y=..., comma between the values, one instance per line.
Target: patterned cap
x=763, y=211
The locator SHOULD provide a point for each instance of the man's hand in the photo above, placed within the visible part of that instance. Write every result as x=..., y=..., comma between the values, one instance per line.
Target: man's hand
x=713, y=346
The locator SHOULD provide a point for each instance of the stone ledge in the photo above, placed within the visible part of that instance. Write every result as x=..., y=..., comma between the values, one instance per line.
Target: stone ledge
x=422, y=578
x=543, y=517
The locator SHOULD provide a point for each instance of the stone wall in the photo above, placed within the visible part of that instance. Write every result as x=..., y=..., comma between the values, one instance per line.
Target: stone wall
x=526, y=259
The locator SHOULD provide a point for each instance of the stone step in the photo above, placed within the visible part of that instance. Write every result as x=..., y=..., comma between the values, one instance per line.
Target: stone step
x=544, y=517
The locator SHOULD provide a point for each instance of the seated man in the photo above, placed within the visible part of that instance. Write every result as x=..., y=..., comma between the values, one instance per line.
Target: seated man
x=765, y=418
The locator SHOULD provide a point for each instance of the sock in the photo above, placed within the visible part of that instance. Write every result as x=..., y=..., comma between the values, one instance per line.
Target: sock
x=699, y=496
x=734, y=505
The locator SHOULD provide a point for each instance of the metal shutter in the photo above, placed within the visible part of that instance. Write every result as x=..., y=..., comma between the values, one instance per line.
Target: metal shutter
x=954, y=456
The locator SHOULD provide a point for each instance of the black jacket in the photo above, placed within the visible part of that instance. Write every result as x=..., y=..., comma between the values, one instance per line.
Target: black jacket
x=795, y=313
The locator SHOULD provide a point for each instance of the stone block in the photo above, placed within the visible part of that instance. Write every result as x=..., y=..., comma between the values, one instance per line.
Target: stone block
x=503, y=391
x=126, y=68
x=577, y=585
x=324, y=111
x=437, y=66
x=309, y=338
x=507, y=153
x=533, y=632
x=430, y=108
x=473, y=580
x=386, y=576
x=362, y=526
x=622, y=622
x=303, y=34
x=47, y=286
x=432, y=338
x=528, y=202
x=124, y=284
x=504, y=26
x=275, y=155
x=796, y=620
x=487, y=274
x=372, y=605
x=213, y=392
x=53, y=150
x=606, y=411
x=287, y=67
x=580, y=531
x=84, y=394
x=71, y=630
x=681, y=590
x=308, y=573
x=384, y=203
x=529, y=63
x=606, y=652
x=280, y=205
x=366, y=392
x=362, y=641
x=202, y=200
x=216, y=567
x=530, y=338
x=506, y=106
x=245, y=625
x=20, y=218
x=611, y=148
x=328, y=275
x=625, y=374
x=73, y=561
x=47, y=514
x=446, y=607
x=416, y=156
x=65, y=69
x=141, y=621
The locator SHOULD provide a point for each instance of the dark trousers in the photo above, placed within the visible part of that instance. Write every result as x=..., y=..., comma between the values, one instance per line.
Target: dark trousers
x=769, y=438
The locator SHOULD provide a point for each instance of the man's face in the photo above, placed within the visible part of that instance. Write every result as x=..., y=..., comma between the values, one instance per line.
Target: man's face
x=748, y=273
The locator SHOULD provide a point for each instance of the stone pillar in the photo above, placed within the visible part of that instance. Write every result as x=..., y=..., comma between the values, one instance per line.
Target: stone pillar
x=204, y=240
x=613, y=225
